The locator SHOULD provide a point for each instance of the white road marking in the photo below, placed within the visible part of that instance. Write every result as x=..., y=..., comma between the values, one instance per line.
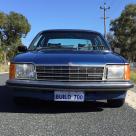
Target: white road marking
x=131, y=99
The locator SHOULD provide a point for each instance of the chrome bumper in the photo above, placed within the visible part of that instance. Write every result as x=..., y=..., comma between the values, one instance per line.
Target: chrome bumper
x=89, y=86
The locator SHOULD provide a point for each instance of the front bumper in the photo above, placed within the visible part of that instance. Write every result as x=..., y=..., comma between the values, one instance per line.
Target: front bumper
x=89, y=86
x=45, y=90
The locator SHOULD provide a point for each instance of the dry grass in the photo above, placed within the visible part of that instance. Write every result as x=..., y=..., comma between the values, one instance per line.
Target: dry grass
x=133, y=76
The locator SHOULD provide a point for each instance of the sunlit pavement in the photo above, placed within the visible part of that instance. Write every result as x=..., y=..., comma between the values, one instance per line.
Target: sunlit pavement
x=134, y=89
x=41, y=118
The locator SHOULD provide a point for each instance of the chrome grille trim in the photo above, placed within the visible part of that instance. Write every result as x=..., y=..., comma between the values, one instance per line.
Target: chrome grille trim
x=71, y=73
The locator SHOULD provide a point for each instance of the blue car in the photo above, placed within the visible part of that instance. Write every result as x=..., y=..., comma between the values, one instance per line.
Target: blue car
x=72, y=66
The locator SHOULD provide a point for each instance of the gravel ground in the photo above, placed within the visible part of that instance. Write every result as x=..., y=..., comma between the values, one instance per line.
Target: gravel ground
x=67, y=119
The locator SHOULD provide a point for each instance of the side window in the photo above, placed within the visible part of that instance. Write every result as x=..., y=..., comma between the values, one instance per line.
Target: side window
x=41, y=42
x=37, y=41
x=98, y=43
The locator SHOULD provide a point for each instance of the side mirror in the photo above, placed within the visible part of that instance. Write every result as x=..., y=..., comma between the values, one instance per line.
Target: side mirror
x=117, y=50
x=22, y=48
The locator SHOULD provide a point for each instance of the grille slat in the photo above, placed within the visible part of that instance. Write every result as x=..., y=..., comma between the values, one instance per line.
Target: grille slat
x=69, y=73
x=92, y=74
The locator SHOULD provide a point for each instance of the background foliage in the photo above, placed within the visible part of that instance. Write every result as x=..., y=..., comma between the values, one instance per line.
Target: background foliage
x=13, y=27
x=123, y=32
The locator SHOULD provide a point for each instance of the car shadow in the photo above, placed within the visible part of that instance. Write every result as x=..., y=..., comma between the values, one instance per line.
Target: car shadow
x=36, y=106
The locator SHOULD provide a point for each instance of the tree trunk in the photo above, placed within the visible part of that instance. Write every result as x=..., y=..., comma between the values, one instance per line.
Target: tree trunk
x=5, y=57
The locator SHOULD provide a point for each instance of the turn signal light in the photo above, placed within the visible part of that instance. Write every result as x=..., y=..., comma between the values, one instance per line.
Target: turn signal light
x=12, y=71
x=127, y=72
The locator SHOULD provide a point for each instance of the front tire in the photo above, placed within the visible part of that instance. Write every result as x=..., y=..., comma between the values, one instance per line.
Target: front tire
x=116, y=102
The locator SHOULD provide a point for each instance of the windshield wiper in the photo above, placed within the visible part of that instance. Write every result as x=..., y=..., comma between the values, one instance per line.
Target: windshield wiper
x=55, y=48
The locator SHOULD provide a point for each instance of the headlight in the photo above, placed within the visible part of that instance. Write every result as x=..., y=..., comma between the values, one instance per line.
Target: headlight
x=22, y=71
x=118, y=72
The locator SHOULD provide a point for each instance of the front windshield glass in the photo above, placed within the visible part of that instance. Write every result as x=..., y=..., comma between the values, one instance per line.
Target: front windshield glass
x=69, y=41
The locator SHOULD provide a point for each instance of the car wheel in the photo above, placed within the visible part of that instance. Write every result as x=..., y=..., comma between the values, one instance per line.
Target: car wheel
x=115, y=102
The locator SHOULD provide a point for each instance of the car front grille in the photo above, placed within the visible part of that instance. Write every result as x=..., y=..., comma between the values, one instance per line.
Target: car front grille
x=69, y=73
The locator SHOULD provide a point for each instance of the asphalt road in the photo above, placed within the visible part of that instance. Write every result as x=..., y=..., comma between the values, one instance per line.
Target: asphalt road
x=67, y=119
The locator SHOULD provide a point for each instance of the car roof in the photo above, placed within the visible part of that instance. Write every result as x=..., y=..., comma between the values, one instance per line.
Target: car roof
x=70, y=30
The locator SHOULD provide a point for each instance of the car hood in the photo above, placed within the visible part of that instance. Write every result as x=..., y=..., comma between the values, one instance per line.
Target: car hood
x=68, y=57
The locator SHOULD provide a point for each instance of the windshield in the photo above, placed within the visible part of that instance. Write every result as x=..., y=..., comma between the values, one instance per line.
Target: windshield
x=69, y=41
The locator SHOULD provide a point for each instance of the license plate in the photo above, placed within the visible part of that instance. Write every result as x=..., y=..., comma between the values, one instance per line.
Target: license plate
x=69, y=96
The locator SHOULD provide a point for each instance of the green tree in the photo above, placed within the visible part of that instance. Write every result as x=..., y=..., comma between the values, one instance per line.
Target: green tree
x=3, y=22
x=111, y=39
x=124, y=32
x=13, y=27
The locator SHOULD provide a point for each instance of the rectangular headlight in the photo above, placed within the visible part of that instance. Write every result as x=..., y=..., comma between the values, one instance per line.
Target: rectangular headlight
x=118, y=72
x=24, y=71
